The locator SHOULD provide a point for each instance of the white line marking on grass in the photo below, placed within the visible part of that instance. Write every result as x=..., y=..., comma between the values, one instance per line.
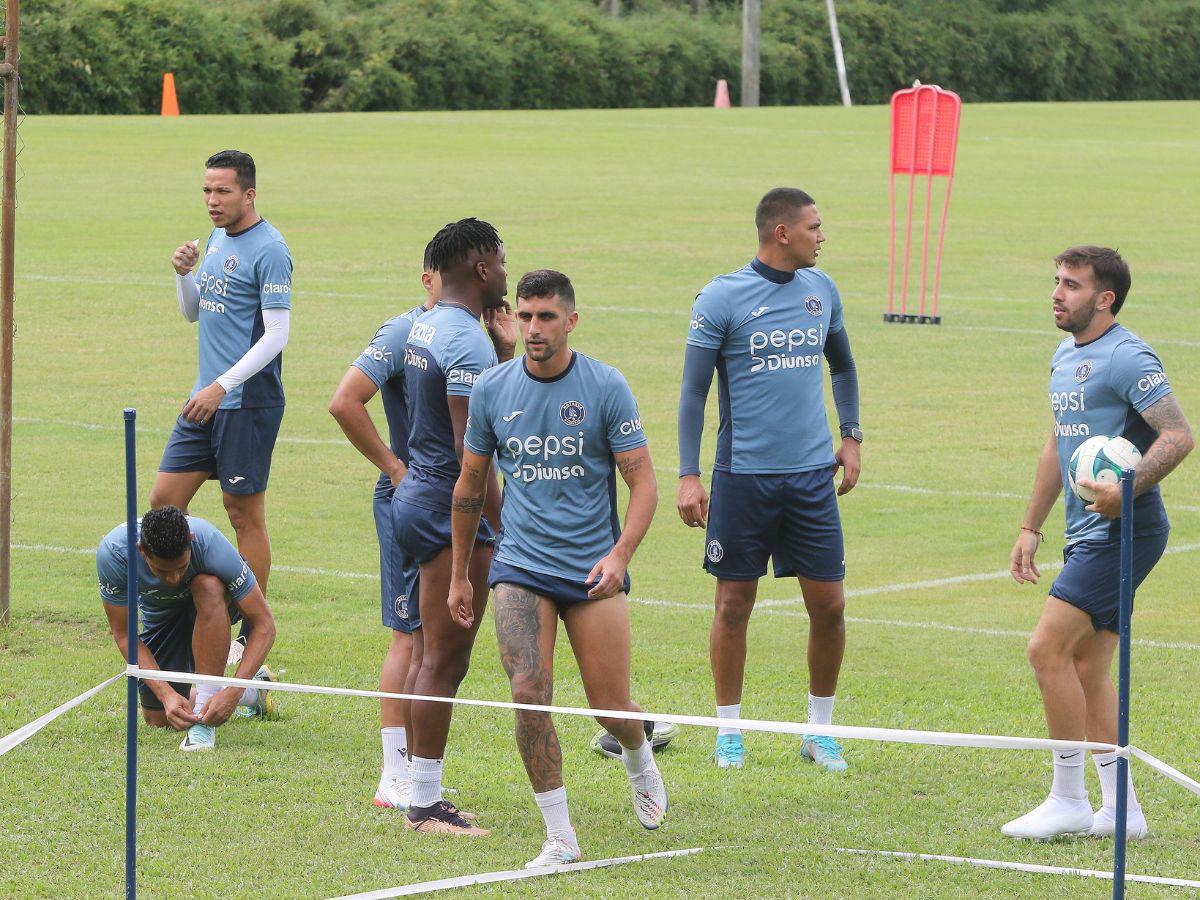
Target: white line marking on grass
x=1020, y=867
x=426, y=887
x=770, y=607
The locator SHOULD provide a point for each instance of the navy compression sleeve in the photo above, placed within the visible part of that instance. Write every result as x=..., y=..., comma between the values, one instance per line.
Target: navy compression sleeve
x=844, y=376
x=698, y=366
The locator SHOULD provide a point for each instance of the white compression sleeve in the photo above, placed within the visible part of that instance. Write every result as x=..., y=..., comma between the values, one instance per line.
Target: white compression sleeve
x=275, y=337
x=189, y=296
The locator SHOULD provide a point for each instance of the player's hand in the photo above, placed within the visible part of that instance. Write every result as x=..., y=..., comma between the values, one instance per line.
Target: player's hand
x=184, y=259
x=1021, y=565
x=461, y=602
x=178, y=710
x=1108, y=498
x=502, y=329
x=849, y=459
x=609, y=576
x=692, y=502
x=397, y=472
x=221, y=706
x=204, y=404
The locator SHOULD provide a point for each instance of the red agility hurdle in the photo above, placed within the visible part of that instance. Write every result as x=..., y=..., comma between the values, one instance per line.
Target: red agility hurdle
x=924, y=142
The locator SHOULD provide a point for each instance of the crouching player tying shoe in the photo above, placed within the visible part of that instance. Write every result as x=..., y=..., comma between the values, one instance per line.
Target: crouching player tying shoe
x=1103, y=381
x=560, y=422
x=192, y=586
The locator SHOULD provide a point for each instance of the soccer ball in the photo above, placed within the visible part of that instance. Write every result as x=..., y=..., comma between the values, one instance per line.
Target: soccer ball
x=1100, y=459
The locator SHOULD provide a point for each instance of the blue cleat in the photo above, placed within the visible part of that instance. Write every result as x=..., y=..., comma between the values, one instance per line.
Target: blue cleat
x=199, y=738
x=730, y=754
x=265, y=707
x=824, y=751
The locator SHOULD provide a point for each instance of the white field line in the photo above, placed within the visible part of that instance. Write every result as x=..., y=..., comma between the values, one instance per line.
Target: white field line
x=426, y=887
x=1022, y=867
x=769, y=607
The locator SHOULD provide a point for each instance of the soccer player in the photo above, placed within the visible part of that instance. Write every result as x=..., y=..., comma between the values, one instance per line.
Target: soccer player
x=1104, y=380
x=192, y=585
x=380, y=369
x=446, y=352
x=764, y=329
x=241, y=294
x=561, y=423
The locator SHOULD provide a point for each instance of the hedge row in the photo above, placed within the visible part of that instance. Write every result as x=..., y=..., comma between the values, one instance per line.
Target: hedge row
x=108, y=56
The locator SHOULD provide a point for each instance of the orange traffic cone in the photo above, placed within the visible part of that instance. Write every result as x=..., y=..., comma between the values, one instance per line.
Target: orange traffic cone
x=170, y=106
x=721, y=100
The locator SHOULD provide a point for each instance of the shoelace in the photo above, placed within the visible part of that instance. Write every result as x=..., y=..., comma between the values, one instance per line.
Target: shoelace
x=451, y=814
x=645, y=798
x=557, y=849
x=728, y=752
x=828, y=744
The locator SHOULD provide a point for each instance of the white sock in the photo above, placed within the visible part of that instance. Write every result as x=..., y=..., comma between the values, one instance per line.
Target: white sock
x=1068, y=775
x=553, y=805
x=820, y=710
x=249, y=697
x=639, y=759
x=733, y=711
x=395, y=751
x=1106, y=768
x=426, y=781
x=204, y=693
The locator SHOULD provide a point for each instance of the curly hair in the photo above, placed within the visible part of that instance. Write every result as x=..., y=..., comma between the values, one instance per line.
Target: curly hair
x=165, y=532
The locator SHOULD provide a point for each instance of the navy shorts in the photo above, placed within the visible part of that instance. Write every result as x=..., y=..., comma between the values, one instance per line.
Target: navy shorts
x=562, y=592
x=170, y=640
x=424, y=533
x=234, y=447
x=791, y=518
x=399, y=575
x=1090, y=579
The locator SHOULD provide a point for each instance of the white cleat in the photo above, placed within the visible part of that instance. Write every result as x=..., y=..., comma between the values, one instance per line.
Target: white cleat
x=394, y=792
x=1057, y=816
x=199, y=738
x=650, y=798
x=1105, y=824
x=236, y=649
x=558, y=850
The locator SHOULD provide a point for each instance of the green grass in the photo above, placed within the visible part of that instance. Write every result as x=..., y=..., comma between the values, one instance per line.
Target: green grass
x=641, y=209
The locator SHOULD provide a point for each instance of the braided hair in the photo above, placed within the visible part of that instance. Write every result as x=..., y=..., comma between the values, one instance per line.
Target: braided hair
x=452, y=245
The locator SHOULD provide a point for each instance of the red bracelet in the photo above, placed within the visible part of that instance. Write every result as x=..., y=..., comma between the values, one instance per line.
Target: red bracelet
x=1041, y=537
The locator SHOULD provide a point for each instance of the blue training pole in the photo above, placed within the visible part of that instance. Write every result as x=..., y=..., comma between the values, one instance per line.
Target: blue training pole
x=131, y=686
x=1123, y=682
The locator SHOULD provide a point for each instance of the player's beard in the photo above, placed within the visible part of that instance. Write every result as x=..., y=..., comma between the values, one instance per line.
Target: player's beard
x=1081, y=320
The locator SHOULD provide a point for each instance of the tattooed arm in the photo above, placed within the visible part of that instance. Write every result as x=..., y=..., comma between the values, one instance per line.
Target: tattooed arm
x=465, y=510
x=638, y=472
x=1173, y=443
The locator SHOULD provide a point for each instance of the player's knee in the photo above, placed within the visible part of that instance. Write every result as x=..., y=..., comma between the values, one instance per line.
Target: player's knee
x=829, y=612
x=1044, y=655
x=530, y=687
x=155, y=718
x=733, y=612
x=207, y=589
x=244, y=516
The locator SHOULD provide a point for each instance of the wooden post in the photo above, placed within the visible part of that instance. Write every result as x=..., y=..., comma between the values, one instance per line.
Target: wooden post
x=7, y=222
x=8, y=219
x=751, y=39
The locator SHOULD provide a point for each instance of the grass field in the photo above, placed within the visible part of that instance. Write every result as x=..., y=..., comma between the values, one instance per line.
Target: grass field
x=641, y=209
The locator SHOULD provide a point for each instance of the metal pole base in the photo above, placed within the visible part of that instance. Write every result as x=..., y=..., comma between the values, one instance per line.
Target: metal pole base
x=911, y=319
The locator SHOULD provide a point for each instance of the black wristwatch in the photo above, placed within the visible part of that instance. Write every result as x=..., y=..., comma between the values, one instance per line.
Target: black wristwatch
x=852, y=431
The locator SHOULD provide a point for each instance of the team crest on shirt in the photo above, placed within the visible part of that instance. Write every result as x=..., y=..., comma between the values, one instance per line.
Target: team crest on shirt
x=715, y=551
x=402, y=606
x=813, y=304
x=1083, y=371
x=572, y=413
x=231, y=264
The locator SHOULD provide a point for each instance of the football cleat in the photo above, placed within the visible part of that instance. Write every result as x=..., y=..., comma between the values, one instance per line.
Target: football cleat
x=265, y=706
x=658, y=733
x=730, y=754
x=199, y=737
x=393, y=792
x=1104, y=824
x=649, y=798
x=441, y=818
x=558, y=850
x=824, y=751
x=1057, y=816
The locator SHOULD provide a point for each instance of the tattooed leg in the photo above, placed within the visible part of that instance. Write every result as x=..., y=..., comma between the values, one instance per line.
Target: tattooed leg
x=526, y=625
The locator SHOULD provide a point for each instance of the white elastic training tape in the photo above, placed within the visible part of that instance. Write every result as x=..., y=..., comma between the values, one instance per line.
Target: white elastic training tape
x=1022, y=867
x=893, y=735
x=426, y=887
x=1174, y=774
x=25, y=732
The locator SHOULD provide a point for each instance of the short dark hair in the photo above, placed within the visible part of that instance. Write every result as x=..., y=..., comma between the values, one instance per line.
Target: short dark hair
x=547, y=283
x=1109, y=270
x=427, y=260
x=241, y=163
x=452, y=245
x=165, y=532
x=776, y=205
